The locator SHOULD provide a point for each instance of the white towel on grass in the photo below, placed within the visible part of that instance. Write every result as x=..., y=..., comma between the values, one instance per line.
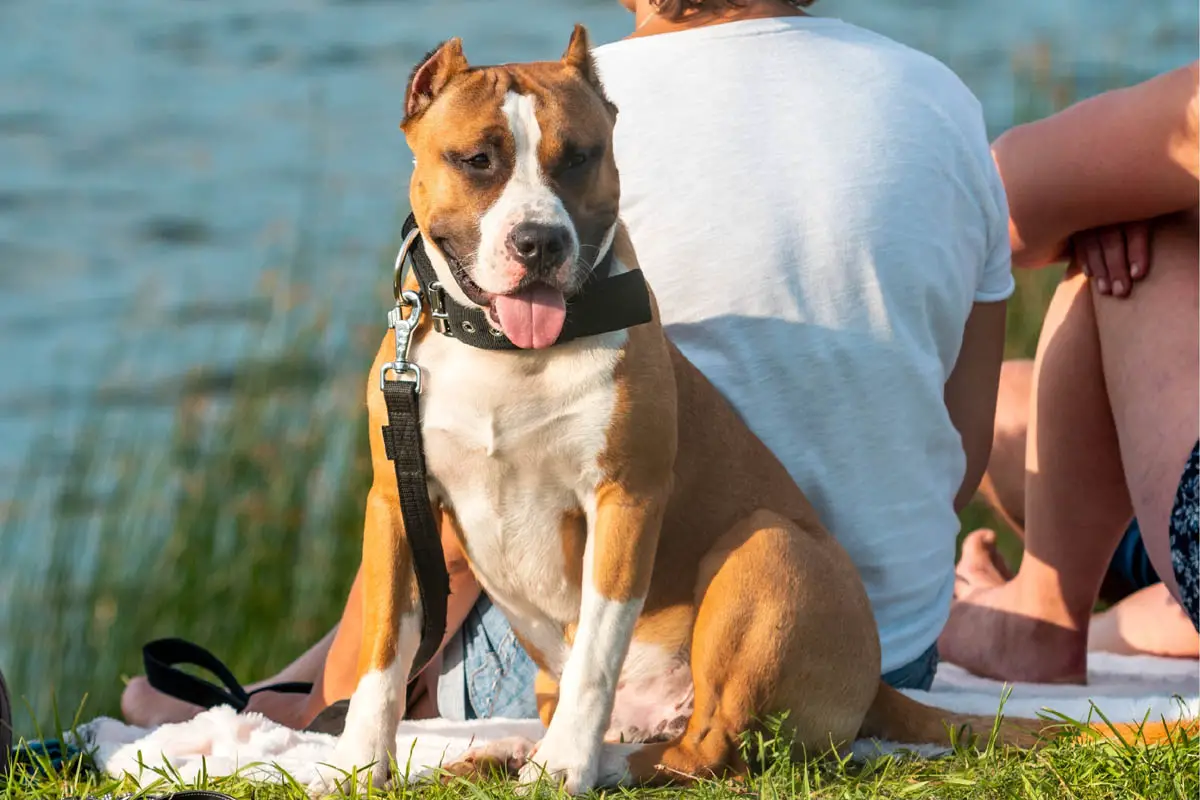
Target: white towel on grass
x=219, y=742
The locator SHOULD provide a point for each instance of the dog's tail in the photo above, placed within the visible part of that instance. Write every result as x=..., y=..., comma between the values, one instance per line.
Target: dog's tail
x=895, y=717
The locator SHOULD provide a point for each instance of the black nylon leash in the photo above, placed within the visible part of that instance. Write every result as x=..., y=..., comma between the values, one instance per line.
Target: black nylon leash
x=406, y=451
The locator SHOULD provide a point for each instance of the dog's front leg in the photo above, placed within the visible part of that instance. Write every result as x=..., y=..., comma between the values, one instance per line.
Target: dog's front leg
x=391, y=635
x=617, y=563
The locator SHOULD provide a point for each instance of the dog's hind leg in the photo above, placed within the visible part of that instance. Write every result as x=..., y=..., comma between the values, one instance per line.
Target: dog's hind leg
x=783, y=627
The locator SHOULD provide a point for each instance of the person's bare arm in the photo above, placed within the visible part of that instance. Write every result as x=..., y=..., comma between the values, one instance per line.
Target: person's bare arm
x=971, y=391
x=1125, y=155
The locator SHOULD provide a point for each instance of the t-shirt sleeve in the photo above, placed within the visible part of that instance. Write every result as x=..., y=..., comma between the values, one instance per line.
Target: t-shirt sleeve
x=996, y=281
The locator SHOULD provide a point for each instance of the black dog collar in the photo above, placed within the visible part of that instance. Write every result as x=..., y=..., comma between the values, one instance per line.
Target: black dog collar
x=606, y=303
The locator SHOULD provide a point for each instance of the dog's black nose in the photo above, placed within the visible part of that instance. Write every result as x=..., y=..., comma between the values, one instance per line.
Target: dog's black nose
x=541, y=248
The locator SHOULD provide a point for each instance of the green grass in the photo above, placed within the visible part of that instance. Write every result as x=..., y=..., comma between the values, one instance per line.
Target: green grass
x=1086, y=770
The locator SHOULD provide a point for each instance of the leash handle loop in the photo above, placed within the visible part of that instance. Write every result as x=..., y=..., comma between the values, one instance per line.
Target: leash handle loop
x=161, y=656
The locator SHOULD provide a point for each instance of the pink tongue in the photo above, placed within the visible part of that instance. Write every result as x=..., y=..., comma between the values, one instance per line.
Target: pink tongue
x=532, y=318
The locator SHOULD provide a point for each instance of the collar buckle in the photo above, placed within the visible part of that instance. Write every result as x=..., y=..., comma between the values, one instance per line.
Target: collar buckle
x=437, y=309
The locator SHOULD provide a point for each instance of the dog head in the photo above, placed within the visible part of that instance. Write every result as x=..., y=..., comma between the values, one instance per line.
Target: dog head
x=515, y=187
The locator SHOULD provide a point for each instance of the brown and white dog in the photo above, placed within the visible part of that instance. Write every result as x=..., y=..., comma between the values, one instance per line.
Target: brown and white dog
x=657, y=562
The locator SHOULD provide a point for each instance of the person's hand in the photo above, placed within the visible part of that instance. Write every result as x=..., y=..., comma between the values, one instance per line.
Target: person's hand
x=1115, y=256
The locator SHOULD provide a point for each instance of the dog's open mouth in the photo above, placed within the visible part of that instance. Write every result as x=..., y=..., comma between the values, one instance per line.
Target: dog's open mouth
x=531, y=317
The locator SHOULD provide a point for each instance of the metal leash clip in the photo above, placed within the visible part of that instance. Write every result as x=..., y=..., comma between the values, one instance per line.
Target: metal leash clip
x=402, y=325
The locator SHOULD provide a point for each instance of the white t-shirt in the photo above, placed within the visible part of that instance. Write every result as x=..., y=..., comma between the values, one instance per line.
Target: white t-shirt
x=816, y=209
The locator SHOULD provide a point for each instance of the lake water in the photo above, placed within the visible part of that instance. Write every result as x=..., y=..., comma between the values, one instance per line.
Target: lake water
x=159, y=159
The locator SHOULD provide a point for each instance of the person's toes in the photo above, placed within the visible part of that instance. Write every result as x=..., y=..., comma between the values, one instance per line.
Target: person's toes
x=988, y=542
x=145, y=706
x=981, y=566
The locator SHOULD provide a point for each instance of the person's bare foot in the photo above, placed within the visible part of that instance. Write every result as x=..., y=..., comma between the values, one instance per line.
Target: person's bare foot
x=146, y=707
x=1150, y=621
x=998, y=629
x=981, y=565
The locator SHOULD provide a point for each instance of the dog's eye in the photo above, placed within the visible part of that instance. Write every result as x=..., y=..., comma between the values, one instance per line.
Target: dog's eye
x=478, y=161
x=576, y=159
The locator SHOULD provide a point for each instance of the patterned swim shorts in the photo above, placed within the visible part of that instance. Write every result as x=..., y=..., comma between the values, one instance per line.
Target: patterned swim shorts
x=1185, y=537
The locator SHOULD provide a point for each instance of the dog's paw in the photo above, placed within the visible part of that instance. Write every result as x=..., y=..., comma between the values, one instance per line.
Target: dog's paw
x=503, y=756
x=347, y=772
x=561, y=763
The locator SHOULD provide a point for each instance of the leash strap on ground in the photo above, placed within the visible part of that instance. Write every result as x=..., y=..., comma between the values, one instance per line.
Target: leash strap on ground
x=161, y=656
x=402, y=441
x=604, y=304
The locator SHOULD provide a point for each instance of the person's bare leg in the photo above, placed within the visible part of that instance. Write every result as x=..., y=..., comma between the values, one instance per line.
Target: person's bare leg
x=1003, y=484
x=1034, y=628
x=980, y=565
x=1147, y=622
x=1150, y=345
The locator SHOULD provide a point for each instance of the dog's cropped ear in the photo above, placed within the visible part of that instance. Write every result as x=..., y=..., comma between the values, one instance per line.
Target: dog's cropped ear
x=431, y=76
x=578, y=56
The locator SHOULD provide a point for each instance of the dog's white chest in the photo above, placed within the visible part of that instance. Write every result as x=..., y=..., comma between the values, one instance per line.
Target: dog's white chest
x=512, y=442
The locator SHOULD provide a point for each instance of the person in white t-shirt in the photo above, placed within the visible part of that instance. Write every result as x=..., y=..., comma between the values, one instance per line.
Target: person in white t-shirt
x=818, y=212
